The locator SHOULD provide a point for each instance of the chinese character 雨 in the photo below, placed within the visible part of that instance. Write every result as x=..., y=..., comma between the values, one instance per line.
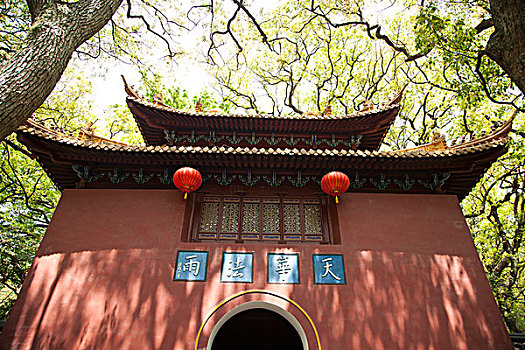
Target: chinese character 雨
x=234, y=270
x=192, y=265
x=327, y=270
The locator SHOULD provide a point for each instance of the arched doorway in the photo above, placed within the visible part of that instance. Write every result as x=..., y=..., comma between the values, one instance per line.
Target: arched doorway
x=257, y=329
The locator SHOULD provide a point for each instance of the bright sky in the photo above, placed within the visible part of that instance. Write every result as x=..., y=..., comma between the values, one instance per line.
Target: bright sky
x=186, y=72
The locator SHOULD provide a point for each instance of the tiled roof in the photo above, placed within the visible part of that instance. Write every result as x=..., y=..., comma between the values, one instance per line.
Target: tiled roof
x=160, y=107
x=36, y=129
x=88, y=163
x=154, y=119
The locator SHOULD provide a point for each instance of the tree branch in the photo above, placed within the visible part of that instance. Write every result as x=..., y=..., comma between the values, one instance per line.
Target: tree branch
x=35, y=8
x=255, y=23
x=484, y=24
x=149, y=28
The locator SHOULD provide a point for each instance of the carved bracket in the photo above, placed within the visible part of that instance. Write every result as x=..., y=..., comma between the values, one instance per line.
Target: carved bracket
x=357, y=182
x=223, y=179
x=298, y=181
x=382, y=183
x=405, y=183
x=86, y=173
x=249, y=180
x=116, y=177
x=165, y=177
x=274, y=180
x=140, y=177
x=436, y=181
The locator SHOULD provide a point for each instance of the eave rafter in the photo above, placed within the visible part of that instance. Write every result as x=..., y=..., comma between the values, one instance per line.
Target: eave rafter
x=456, y=169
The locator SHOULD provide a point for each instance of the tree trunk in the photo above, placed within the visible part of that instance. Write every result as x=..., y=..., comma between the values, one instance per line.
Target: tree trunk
x=506, y=45
x=30, y=75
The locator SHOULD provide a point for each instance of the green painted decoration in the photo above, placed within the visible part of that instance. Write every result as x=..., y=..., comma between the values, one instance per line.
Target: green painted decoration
x=85, y=173
x=116, y=177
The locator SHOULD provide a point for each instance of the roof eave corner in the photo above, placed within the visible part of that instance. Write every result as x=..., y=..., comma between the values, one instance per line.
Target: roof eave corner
x=397, y=97
x=129, y=90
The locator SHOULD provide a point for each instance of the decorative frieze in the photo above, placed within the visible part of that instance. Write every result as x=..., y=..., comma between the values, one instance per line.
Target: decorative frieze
x=436, y=181
x=405, y=183
x=272, y=140
x=382, y=181
x=86, y=173
x=274, y=180
x=140, y=177
x=116, y=177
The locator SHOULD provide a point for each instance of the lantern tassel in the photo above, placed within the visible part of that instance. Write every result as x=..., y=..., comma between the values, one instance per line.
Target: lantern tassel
x=336, y=200
x=185, y=195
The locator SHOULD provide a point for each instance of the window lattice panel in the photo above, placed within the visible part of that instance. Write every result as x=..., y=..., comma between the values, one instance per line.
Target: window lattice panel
x=230, y=217
x=283, y=218
x=209, y=217
x=312, y=219
x=292, y=219
x=250, y=218
x=271, y=222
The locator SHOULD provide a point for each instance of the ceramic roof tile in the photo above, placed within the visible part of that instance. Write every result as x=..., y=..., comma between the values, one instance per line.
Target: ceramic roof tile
x=64, y=139
x=375, y=110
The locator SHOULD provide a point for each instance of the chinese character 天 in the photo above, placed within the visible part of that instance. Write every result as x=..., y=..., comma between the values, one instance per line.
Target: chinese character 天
x=329, y=269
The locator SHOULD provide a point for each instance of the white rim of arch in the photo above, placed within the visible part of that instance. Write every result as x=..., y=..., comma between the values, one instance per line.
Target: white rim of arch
x=259, y=305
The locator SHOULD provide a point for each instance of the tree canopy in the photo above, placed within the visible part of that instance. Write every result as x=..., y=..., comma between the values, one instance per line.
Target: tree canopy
x=460, y=62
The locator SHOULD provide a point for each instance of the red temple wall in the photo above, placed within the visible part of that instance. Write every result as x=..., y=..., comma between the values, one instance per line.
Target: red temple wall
x=103, y=275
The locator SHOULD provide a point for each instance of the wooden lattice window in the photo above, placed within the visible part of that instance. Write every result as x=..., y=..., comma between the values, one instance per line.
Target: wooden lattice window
x=248, y=218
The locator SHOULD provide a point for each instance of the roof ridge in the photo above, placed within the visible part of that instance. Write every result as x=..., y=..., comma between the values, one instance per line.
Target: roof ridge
x=499, y=134
x=163, y=107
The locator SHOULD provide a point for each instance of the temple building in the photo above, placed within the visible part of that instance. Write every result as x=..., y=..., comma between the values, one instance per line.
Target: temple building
x=259, y=256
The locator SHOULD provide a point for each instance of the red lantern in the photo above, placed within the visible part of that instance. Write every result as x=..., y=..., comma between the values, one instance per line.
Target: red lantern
x=187, y=180
x=335, y=184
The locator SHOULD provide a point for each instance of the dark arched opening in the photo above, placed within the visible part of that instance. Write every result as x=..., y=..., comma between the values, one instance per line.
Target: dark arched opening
x=257, y=329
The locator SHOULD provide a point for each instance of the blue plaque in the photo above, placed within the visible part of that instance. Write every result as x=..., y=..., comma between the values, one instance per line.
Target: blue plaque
x=329, y=269
x=191, y=266
x=237, y=267
x=283, y=268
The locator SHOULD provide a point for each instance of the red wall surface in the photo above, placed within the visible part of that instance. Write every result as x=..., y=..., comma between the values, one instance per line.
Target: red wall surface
x=103, y=278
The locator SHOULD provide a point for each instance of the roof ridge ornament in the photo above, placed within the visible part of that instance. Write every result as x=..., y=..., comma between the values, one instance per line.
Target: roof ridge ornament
x=437, y=143
x=87, y=133
x=129, y=89
x=328, y=110
x=368, y=106
x=397, y=97
x=158, y=99
x=501, y=133
x=198, y=106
